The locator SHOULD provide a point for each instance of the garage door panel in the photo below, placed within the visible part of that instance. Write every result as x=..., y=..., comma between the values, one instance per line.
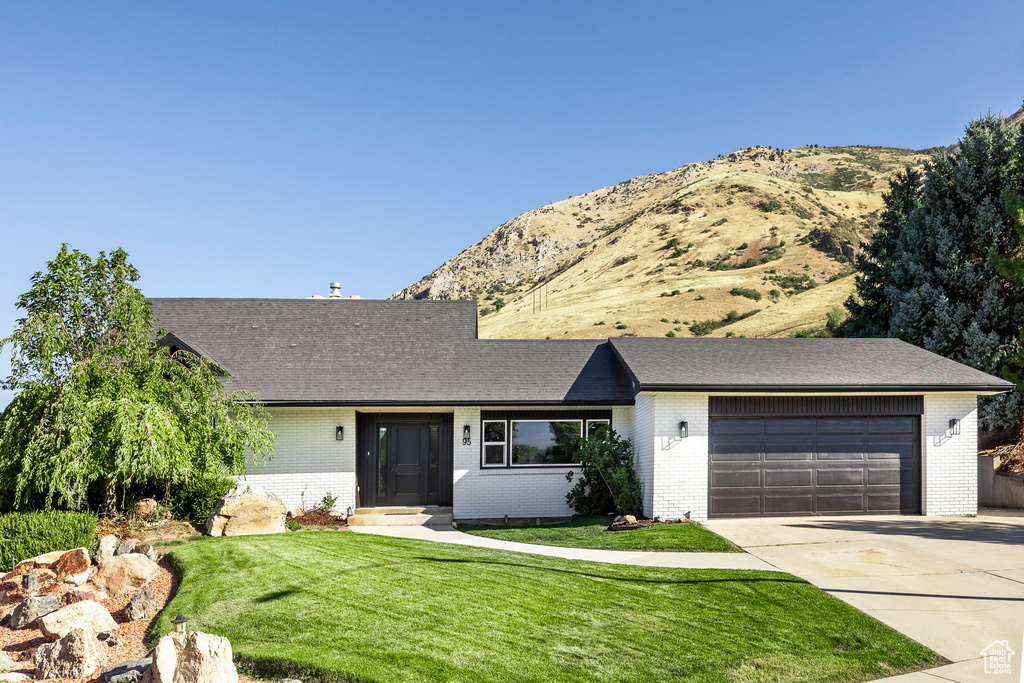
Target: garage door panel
x=814, y=465
x=735, y=505
x=790, y=504
x=787, y=451
x=892, y=425
x=736, y=478
x=788, y=477
x=841, y=425
x=736, y=426
x=840, y=477
x=789, y=425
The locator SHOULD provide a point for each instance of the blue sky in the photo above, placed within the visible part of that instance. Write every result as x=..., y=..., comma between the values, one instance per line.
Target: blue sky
x=266, y=149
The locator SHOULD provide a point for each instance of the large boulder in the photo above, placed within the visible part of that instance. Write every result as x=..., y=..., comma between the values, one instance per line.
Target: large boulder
x=192, y=657
x=73, y=656
x=44, y=561
x=128, y=671
x=247, y=510
x=124, y=573
x=73, y=567
x=30, y=609
x=142, y=604
x=87, y=615
x=148, y=550
x=107, y=546
x=6, y=663
x=127, y=546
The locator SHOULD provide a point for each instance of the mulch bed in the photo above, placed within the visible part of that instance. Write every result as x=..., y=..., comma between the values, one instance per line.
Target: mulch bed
x=20, y=645
x=316, y=518
x=643, y=524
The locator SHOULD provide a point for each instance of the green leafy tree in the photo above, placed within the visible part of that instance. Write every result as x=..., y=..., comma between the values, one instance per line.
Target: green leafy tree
x=607, y=481
x=99, y=398
x=1011, y=268
x=929, y=278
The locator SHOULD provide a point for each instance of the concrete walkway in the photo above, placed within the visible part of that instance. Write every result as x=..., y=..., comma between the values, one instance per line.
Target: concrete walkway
x=955, y=585
x=638, y=558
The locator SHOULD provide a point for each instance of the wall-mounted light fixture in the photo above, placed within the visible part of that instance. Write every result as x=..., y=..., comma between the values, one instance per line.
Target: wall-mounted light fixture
x=954, y=426
x=339, y=433
x=466, y=436
x=683, y=430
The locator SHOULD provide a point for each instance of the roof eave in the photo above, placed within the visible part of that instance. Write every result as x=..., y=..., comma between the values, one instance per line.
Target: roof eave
x=830, y=388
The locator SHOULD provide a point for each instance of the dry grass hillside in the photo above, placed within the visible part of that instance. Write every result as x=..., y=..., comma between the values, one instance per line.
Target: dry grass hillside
x=755, y=243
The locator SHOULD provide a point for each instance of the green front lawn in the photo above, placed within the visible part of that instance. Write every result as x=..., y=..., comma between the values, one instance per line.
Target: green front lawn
x=592, y=533
x=334, y=606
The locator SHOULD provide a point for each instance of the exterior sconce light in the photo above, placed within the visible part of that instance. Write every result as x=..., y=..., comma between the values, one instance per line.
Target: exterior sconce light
x=179, y=623
x=466, y=436
x=954, y=426
x=339, y=433
x=683, y=430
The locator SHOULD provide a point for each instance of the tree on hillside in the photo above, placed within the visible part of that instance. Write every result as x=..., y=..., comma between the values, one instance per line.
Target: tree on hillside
x=100, y=400
x=929, y=277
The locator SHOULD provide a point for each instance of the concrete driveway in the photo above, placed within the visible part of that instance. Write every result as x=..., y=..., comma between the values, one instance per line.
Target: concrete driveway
x=955, y=585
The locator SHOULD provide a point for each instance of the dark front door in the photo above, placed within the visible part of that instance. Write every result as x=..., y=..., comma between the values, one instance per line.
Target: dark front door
x=404, y=460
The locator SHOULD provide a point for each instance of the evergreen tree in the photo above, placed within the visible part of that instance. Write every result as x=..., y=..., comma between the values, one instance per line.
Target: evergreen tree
x=931, y=279
x=99, y=399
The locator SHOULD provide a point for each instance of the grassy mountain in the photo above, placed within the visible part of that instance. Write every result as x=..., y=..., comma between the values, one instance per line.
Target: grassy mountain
x=758, y=243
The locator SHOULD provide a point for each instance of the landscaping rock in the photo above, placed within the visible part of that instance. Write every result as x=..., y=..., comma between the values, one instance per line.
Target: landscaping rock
x=44, y=561
x=79, y=593
x=128, y=671
x=142, y=604
x=30, y=609
x=247, y=510
x=87, y=615
x=146, y=507
x=126, y=547
x=73, y=567
x=147, y=550
x=124, y=573
x=5, y=612
x=629, y=519
x=107, y=546
x=192, y=657
x=6, y=663
x=73, y=656
x=14, y=677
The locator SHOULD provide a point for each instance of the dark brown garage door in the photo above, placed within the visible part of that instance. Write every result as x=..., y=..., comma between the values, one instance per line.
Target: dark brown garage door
x=814, y=464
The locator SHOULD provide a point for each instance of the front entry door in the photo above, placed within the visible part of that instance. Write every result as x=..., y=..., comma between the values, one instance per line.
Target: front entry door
x=404, y=459
x=408, y=468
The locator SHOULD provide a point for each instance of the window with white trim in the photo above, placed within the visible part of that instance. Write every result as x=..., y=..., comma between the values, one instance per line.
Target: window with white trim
x=597, y=428
x=494, y=443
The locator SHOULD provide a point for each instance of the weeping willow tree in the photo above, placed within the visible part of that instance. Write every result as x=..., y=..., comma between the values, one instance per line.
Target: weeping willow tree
x=98, y=398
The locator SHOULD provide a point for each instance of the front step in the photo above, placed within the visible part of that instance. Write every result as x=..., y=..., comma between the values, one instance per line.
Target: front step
x=402, y=516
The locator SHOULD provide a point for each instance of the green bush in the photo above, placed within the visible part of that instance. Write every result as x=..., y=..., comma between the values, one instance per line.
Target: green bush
x=744, y=291
x=195, y=499
x=27, y=534
x=607, y=482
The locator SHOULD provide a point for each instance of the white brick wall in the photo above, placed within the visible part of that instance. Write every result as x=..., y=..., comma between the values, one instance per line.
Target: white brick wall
x=308, y=458
x=493, y=493
x=674, y=470
x=949, y=467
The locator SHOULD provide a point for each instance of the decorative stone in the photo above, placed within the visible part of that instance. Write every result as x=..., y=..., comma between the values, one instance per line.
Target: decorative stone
x=247, y=510
x=124, y=573
x=6, y=663
x=88, y=615
x=79, y=593
x=147, y=550
x=73, y=566
x=44, y=561
x=107, y=546
x=192, y=657
x=73, y=656
x=30, y=609
x=14, y=677
x=630, y=519
x=142, y=604
x=5, y=612
x=126, y=547
x=128, y=671
x=297, y=512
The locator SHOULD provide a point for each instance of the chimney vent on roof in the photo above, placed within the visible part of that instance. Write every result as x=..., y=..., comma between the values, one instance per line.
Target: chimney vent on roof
x=335, y=290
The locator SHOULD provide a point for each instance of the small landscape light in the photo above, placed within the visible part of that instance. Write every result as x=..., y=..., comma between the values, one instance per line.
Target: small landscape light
x=683, y=430
x=954, y=426
x=179, y=623
x=466, y=436
x=339, y=433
